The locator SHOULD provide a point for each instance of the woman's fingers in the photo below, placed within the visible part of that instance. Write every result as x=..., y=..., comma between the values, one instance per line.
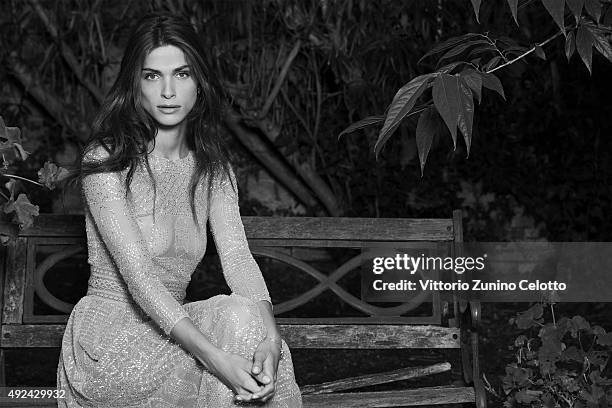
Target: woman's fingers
x=258, y=359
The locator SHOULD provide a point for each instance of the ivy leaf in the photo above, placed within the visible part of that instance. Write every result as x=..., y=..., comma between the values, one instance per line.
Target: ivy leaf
x=576, y=8
x=425, y=132
x=539, y=51
x=531, y=317
x=514, y=8
x=363, y=123
x=476, y=6
x=593, y=7
x=577, y=324
x=466, y=114
x=572, y=353
x=474, y=81
x=10, y=186
x=556, y=8
x=584, y=45
x=492, y=82
x=402, y=104
x=10, y=139
x=446, y=99
x=570, y=45
x=50, y=174
x=24, y=210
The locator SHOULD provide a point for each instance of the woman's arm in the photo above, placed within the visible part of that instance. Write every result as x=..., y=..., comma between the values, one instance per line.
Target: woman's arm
x=244, y=277
x=241, y=272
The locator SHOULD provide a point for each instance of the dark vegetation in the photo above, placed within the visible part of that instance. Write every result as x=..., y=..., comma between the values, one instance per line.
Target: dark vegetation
x=299, y=73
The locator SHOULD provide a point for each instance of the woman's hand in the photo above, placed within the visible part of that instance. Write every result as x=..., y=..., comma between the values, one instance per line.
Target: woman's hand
x=235, y=372
x=265, y=365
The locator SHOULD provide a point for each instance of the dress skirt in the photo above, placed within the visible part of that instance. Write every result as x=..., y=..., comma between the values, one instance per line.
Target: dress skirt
x=113, y=355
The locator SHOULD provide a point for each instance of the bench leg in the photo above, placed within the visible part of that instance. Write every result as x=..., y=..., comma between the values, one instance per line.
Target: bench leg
x=2, y=375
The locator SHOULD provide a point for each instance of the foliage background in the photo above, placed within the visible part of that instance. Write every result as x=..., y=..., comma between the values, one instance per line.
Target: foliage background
x=540, y=163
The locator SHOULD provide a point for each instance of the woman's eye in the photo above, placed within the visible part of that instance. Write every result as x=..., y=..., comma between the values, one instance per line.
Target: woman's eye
x=183, y=74
x=150, y=76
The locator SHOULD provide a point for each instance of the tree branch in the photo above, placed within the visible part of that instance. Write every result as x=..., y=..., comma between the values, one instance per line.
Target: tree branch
x=49, y=102
x=275, y=166
x=280, y=79
x=523, y=55
x=66, y=52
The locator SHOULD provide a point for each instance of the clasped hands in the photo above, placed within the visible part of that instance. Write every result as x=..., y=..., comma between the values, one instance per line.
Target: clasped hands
x=251, y=381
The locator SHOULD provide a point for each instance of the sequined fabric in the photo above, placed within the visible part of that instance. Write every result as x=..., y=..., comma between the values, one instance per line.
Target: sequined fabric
x=116, y=350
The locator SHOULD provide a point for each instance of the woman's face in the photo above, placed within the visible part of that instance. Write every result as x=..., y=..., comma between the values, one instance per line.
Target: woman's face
x=168, y=91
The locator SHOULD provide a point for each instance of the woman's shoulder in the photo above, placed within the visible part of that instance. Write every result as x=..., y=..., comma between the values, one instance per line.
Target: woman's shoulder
x=95, y=153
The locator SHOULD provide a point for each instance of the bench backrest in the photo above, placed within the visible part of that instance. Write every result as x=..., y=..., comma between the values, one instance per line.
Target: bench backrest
x=64, y=236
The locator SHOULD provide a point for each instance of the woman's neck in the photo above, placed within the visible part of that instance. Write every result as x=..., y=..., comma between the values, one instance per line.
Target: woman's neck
x=171, y=143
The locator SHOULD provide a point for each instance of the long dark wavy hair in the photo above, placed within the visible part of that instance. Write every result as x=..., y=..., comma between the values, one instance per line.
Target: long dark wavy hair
x=125, y=129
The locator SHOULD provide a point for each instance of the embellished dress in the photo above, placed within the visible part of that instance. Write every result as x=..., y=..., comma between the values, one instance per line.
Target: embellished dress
x=116, y=350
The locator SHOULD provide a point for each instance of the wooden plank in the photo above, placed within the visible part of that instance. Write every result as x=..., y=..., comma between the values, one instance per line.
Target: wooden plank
x=355, y=229
x=297, y=336
x=374, y=379
x=56, y=225
x=377, y=320
x=404, y=398
x=283, y=228
x=27, y=403
x=14, y=288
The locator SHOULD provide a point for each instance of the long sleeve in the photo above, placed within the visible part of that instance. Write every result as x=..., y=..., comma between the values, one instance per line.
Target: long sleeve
x=241, y=272
x=105, y=197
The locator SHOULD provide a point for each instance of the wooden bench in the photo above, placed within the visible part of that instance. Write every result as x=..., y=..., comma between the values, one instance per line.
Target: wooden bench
x=454, y=325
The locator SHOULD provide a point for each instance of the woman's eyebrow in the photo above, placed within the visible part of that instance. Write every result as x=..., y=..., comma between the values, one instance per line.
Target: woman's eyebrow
x=182, y=67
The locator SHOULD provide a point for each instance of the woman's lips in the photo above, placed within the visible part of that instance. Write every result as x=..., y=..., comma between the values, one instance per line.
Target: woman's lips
x=168, y=109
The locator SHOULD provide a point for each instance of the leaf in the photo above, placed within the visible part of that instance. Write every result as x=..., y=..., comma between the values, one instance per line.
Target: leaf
x=492, y=82
x=600, y=42
x=531, y=317
x=10, y=138
x=556, y=8
x=539, y=51
x=466, y=114
x=570, y=45
x=403, y=102
x=24, y=211
x=10, y=186
x=513, y=8
x=584, y=45
x=448, y=44
x=50, y=174
x=526, y=396
x=492, y=63
x=425, y=132
x=476, y=6
x=363, y=123
x=463, y=47
x=576, y=7
x=446, y=100
x=593, y=7
x=473, y=79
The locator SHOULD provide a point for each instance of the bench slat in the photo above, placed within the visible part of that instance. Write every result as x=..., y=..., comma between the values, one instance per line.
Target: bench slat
x=404, y=398
x=297, y=336
x=375, y=379
x=279, y=228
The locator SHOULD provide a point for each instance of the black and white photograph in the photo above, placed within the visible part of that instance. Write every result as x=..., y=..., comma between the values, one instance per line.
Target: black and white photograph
x=306, y=203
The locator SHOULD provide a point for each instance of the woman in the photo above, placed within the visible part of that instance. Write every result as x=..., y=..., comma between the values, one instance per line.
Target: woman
x=152, y=175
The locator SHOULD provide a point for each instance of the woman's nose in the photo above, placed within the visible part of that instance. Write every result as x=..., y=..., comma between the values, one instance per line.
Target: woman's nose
x=168, y=91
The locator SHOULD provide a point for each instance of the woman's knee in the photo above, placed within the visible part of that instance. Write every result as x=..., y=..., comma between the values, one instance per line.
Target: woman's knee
x=236, y=314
